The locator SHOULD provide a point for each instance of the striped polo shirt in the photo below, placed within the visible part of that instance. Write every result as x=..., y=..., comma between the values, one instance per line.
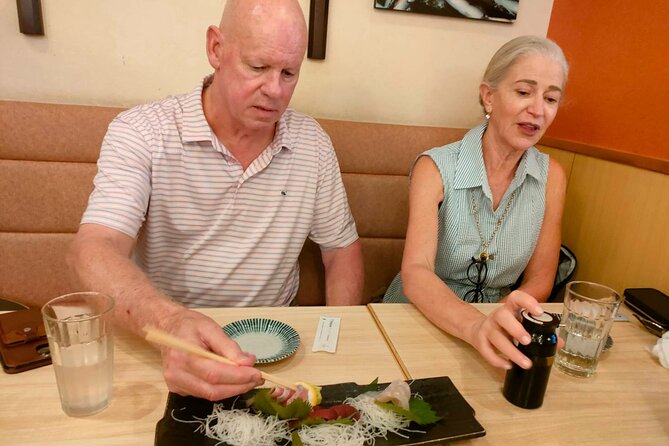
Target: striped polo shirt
x=464, y=176
x=210, y=233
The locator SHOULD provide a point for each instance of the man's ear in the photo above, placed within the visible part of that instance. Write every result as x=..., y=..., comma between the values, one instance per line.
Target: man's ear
x=485, y=93
x=214, y=46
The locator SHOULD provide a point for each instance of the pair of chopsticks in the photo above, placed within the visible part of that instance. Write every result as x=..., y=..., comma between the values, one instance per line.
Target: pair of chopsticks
x=166, y=339
x=652, y=326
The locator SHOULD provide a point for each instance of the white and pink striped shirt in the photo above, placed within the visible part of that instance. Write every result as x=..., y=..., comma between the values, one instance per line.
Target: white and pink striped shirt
x=209, y=233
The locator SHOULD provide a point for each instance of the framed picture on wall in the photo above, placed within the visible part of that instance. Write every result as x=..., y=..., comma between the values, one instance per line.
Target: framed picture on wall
x=496, y=10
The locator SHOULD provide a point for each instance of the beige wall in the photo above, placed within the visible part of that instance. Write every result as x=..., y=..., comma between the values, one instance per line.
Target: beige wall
x=381, y=66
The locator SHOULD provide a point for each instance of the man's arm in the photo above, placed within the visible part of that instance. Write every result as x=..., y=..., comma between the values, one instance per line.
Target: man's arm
x=99, y=260
x=344, y=275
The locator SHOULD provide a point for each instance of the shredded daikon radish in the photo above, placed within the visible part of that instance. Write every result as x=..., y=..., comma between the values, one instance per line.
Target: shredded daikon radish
x=335, y=435
x=238, y=427
x=377, y=421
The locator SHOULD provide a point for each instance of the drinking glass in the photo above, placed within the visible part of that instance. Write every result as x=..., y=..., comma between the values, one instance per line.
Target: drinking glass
x=589, y=311
x=79, y=329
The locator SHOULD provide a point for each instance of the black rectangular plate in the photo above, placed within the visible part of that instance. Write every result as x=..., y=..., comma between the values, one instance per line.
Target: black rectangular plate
x=457, y=416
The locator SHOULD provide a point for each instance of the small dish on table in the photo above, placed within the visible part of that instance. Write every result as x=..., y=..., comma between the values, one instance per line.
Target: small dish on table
x=270, y=340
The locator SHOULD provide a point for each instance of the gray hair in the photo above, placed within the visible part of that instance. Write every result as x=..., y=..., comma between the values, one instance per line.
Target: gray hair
x=514, y=49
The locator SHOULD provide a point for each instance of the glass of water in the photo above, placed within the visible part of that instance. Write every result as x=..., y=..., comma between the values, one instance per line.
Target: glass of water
x=79, y=329
x=589, y=311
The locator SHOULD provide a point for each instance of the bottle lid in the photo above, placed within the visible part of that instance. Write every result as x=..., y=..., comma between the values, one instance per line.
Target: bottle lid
x=544, y=321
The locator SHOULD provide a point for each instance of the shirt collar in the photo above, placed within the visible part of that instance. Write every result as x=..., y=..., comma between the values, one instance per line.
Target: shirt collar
x=282, y=137
x=532, y=167
x=470, y=170
x=196, y=128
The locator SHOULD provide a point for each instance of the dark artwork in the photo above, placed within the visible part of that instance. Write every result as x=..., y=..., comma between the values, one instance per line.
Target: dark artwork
x=497, y=10
x=457, y=422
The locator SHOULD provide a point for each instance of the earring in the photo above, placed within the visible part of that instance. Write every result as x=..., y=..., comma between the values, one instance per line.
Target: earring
x=487, y=116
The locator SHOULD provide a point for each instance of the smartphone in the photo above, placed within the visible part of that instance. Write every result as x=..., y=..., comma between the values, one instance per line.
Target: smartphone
x=23, y=342
x=649, y=303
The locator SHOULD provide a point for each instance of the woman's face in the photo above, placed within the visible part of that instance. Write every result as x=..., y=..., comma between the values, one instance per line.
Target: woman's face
x=525, y=102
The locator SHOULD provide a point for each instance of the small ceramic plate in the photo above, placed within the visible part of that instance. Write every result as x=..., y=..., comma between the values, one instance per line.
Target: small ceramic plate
x=268, y=339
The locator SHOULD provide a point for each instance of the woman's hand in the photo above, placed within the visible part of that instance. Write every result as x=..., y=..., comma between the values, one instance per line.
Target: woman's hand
x=493, y=335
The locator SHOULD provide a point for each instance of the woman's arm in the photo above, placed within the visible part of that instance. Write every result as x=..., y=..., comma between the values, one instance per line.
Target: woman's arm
x=490, y=335
x=421, y=285
x=539, y=275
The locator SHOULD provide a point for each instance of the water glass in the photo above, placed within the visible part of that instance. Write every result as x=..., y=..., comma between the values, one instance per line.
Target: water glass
x=79, y=329
x=589, y=311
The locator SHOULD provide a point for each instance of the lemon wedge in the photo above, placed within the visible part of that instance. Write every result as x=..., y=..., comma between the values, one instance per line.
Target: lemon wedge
x=313, y=393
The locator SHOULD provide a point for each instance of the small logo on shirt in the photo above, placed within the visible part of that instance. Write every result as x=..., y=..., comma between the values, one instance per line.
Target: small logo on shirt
x=284, y=192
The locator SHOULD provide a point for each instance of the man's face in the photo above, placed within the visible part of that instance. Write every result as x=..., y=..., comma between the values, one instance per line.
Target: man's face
x=258, y=73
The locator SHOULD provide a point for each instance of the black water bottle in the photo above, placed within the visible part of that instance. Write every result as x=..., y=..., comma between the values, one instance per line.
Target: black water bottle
x=526, y=388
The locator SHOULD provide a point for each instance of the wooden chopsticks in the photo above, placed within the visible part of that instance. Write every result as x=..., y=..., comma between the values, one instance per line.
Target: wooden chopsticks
x=166, y=339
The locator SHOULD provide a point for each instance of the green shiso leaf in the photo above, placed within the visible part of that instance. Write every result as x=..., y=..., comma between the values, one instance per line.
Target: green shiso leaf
x=371, y=387
x=419, y=411
x=295, y=439
x=264, y=403
x=314, y=421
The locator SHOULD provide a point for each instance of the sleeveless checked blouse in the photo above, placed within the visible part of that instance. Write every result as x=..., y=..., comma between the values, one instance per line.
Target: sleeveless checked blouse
x=463, y=174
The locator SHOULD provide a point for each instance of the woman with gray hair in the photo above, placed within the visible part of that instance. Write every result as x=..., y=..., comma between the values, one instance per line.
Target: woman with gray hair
x=488, y=208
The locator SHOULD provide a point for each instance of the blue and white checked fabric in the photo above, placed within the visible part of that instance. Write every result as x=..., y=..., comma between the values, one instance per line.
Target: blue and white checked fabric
x=463, y=173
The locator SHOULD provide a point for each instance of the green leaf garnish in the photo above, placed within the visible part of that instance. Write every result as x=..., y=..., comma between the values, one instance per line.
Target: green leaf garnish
x=295, y=439
x=419, y=411
x=264, y=403
x=317, y=420
x=371, y=387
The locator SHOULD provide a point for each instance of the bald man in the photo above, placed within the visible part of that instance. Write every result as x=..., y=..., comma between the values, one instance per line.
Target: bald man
x=214, y=193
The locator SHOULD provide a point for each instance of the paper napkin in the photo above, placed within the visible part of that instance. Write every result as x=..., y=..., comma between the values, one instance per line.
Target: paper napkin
x=661, y=350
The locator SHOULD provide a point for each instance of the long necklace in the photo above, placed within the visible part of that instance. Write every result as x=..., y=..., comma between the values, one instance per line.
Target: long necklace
x=484, y=255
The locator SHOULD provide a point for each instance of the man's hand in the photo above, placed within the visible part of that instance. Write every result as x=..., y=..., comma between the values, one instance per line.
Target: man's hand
x=187, y=374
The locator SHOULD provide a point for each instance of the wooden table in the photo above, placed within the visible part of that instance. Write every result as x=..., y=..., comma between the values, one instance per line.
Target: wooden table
x=30, y=412
x=625, y=403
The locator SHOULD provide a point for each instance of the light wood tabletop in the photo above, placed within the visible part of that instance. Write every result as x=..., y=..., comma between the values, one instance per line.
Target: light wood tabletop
x=625, y=403
x=30, y=413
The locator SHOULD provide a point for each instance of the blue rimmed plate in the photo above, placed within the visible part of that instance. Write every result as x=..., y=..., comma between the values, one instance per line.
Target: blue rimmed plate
x=268, y=339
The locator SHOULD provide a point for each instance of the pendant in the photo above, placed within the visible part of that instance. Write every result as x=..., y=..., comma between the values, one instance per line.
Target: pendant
x=484, y=256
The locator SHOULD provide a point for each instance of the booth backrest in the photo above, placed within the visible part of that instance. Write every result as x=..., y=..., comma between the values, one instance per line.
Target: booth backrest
x=47, y=163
